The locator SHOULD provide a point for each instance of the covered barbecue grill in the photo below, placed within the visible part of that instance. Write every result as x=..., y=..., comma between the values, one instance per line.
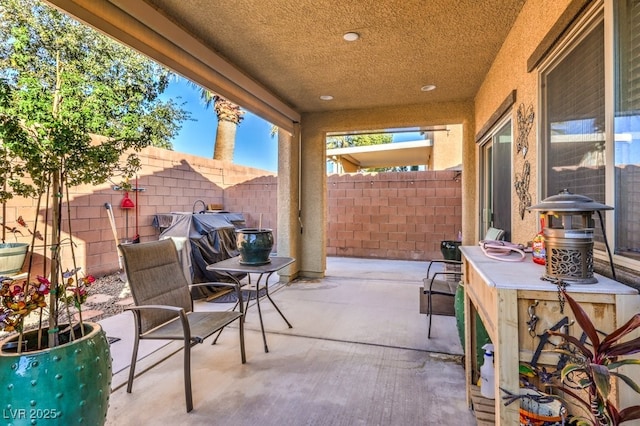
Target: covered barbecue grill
x=202, y=239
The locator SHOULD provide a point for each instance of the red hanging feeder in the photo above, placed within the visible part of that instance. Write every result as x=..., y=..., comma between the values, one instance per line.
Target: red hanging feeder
x=126, y=204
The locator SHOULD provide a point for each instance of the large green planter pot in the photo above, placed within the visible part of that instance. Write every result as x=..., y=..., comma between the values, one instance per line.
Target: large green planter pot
x=254, y=245
x=482, y=337
x=65, y=385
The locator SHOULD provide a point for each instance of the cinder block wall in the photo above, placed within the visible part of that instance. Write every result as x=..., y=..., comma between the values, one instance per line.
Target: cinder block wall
x=171, y=181
x=387, y=215
x=401, y=215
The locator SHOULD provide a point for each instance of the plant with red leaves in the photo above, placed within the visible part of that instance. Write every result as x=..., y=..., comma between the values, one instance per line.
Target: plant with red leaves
x=592, y=366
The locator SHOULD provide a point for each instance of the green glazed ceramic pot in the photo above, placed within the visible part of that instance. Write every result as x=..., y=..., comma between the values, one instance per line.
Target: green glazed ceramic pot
x=254, y=245
x=65, y=385
x=450, y=250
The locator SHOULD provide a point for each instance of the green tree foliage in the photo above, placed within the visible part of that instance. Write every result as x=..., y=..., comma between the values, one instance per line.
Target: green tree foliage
x=395, y=169
x=103, y=86
x=61, y=82
x=347, y=141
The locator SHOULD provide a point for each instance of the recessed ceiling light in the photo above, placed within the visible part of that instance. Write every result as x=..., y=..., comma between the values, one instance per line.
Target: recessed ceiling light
x=351, y=36
x=326, y=97
x=428, y=88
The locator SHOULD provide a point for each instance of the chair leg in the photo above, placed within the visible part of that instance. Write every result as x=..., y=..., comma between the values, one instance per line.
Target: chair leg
x=220, y=332
x=264, y=336
x=242, y=352
x=217, y=337
x=429, y=314
x=134, y=355
x=187, y=375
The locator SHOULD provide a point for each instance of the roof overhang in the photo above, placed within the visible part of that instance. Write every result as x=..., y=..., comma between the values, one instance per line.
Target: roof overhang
x=278, y=58
x=385, y=155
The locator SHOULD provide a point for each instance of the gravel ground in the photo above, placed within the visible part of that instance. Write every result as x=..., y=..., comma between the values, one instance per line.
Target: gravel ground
x=108, y=295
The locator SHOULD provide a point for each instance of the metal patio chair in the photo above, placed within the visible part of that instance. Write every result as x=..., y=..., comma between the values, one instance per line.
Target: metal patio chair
x=440, y=287
x=163, y=305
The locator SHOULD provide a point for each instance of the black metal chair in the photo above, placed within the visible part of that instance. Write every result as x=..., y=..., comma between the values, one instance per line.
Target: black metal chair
x=163, y=305
x=440, y=287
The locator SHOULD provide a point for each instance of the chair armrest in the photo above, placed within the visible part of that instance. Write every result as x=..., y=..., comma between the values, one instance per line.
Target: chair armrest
x=457, y=262
x=236, y=285
x=447, y=274
x=450, y=262
x=186, y=329
x=214, y=283
x=433, y=279
x=144, y=307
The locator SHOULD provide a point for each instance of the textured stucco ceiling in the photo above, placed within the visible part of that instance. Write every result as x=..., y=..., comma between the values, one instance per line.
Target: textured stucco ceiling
x=295, y=48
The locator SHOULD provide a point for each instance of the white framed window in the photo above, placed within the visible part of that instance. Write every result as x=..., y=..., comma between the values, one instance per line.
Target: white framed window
x=590, y=121
x=626, y=123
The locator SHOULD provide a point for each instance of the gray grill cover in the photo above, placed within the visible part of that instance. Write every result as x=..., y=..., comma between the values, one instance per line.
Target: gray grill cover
x=211, y=238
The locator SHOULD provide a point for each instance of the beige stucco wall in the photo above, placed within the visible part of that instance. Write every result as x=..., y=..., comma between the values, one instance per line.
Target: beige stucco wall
x=509, y=72
x=314, y=127
x=447, y=148
x=289, y=200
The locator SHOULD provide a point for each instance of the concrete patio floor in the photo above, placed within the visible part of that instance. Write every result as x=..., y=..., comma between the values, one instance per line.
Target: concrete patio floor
x=357, y=354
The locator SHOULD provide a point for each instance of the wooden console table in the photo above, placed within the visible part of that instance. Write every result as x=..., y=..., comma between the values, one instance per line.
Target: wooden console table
x=502, y=294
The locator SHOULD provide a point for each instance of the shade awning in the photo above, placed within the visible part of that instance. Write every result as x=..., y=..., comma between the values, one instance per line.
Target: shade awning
x=415, y=153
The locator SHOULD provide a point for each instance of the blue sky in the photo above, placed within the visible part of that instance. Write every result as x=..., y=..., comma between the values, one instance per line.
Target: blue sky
x=254, y=145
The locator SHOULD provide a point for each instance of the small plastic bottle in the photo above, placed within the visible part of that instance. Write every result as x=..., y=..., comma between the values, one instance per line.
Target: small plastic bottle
x=487, y=373
x=539, y=251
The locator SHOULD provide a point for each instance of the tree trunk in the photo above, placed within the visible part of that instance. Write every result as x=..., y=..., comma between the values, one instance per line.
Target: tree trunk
x=55, y=258
x=225, y=141
x=229, y=116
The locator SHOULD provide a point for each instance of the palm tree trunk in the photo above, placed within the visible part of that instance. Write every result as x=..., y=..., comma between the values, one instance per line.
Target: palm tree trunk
x=225, y=141
x=229, y=116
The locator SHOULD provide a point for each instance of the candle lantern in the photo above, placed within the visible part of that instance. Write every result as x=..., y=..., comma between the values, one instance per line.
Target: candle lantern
x=569, y=236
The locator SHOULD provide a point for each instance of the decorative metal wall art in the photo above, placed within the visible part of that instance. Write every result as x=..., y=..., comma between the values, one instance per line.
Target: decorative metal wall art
x=522, y=188
x=521, y=182
x=525, y=122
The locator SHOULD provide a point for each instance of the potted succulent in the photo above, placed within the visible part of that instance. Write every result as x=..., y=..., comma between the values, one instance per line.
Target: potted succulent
x=60, y=84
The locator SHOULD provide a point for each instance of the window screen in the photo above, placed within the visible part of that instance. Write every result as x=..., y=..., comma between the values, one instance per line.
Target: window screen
x=627, y=128
x=574, y=120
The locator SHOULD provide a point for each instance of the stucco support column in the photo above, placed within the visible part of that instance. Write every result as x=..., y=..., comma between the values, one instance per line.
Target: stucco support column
x=289, y=200
x=470, y=179
x=313, y=200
